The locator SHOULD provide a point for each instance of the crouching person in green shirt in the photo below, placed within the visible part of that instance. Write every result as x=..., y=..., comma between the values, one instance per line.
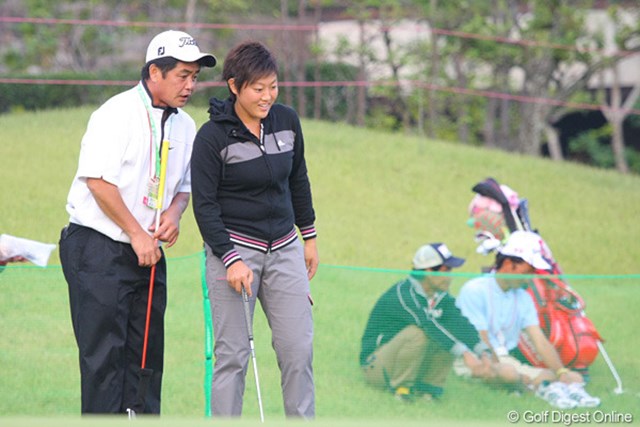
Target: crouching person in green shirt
x=415, y=331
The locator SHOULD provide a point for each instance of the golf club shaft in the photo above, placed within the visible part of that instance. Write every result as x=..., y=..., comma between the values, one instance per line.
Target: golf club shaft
x=612, y=368
x=145, y=342
x=247, y=317
x=164, y=156
x=152, y=279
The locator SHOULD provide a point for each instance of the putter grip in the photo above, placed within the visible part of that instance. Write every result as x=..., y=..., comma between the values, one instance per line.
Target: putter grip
x=164, y=158
x=247, y=314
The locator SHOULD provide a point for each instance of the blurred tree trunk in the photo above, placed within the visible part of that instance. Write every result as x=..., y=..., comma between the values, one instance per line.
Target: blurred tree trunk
x=302, y=48
x=434, y=72
x=394, y=55
x=504, y=131
x=317, y=90
x=190, y=12
x=489, y=130
x=615, y=114
x=552, y=22
x=462, y=106
x=458, y=62
x=284, y=40
x=553, y=142
x=361, y=105
x=552, y=134
x=530, y=131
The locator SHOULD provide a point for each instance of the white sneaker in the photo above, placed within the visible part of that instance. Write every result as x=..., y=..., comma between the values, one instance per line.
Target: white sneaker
x=556, y=393
x=577, y=392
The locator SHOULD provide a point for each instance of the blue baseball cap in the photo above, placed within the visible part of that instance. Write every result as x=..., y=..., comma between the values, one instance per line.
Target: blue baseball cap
x=434, y=255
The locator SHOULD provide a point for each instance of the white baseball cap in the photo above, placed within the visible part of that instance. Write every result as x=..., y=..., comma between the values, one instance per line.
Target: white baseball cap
x=527, y=246
x=433, y=255
x=178, y=45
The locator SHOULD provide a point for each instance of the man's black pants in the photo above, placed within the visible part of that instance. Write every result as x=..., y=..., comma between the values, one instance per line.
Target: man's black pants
x=108, y=294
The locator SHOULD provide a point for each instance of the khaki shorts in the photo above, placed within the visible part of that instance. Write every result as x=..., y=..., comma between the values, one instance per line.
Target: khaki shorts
x=407, y=358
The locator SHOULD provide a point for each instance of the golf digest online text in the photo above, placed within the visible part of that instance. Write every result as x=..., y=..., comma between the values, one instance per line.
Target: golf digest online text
x=569, y=418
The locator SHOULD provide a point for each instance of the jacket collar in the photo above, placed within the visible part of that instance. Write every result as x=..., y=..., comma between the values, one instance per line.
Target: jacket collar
x=167, y=110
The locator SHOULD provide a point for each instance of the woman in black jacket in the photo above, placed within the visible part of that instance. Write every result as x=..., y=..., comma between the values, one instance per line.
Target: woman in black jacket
x=252, y=200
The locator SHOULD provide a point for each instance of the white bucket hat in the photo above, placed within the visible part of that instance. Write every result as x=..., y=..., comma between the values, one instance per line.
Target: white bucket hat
x=527, y=246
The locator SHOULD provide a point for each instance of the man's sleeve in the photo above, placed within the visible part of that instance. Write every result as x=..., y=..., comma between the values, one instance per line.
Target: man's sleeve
x=102, y=149
x=206, y=167
x=461, y=327
x=528, y=312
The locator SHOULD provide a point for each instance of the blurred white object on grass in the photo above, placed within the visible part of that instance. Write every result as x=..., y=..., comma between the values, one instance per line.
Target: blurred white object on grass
x=36, y=252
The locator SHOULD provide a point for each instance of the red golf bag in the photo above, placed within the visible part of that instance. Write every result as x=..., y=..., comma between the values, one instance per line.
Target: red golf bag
x=562, y=319
x=495, y=212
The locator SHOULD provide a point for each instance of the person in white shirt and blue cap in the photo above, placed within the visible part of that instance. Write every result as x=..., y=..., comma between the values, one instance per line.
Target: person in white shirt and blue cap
x=500, y=308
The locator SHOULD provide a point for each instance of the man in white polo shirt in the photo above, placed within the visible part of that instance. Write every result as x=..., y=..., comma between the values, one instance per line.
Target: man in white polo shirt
x=111, y=242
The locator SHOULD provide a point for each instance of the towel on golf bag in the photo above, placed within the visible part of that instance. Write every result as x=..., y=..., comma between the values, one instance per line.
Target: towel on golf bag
x=486, y=213
x=560, y=308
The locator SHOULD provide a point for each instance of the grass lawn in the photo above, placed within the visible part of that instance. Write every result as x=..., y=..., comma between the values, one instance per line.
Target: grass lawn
x=378, y=196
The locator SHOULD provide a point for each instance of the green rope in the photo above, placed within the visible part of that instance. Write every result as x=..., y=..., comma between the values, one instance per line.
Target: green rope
x=636, y=276
x=208, y=336
x=456, y=274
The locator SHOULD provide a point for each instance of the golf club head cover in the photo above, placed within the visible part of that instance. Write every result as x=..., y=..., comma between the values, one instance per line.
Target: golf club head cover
x=143, y=387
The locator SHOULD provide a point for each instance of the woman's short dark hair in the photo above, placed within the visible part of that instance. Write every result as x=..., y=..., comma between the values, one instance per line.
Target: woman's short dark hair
x=165, y=65
x=248, y=62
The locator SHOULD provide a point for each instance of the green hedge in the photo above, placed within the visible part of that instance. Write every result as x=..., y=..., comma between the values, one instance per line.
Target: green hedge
x=20, y=97
x=25, y=96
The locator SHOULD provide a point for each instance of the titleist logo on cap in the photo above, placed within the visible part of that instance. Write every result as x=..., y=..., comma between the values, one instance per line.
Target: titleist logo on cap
x=187, y=41
x=182, y=42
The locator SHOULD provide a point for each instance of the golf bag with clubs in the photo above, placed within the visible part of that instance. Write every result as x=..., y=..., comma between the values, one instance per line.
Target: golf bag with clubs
x=495, y=211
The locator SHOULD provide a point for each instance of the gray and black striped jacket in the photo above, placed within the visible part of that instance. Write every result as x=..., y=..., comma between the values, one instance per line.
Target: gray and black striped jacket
x=250, y=192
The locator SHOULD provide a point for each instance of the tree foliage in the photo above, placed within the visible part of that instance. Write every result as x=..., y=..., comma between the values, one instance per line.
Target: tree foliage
x=497, y=73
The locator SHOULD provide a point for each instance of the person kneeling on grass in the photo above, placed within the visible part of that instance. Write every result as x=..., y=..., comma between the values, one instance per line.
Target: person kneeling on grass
x=415, y=331
x=500, y=309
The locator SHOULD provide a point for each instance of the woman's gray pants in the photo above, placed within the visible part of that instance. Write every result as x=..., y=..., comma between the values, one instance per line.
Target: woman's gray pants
x=282, y=286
